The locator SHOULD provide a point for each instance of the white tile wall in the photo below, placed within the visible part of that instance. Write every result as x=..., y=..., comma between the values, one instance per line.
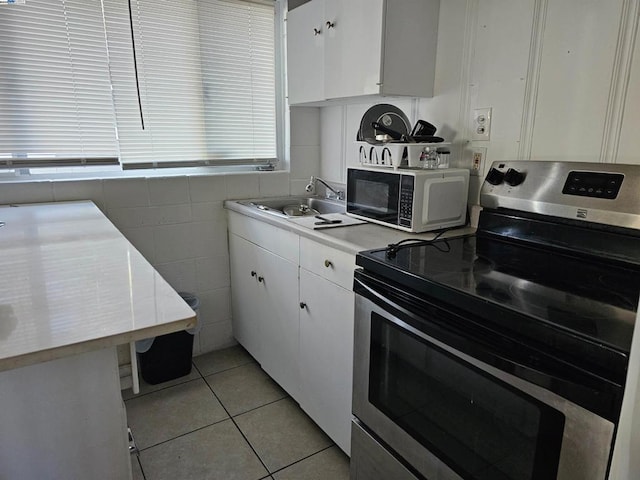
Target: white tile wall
x=305, y=126
x=178, y=223
x=305, y=161
x=274, y=184
x=85, y=190
x=205, y=188
x=22, y=192
x=126, y=192
x=168, y=190
x=243, y=185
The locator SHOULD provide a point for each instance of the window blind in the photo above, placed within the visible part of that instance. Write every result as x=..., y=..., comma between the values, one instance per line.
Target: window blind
x=55, y=93
x=205, y=80
x=237, y=47
x=151, y=83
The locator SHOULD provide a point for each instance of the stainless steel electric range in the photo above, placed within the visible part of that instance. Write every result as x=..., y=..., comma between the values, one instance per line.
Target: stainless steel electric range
x=502, y=355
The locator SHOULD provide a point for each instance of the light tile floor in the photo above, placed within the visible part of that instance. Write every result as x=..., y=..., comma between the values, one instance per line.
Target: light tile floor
x=227, y=420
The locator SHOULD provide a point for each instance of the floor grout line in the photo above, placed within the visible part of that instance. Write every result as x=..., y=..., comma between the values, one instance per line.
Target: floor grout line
x=199, y=375
x=252, y=361
x=304, y=458
x=240, y=431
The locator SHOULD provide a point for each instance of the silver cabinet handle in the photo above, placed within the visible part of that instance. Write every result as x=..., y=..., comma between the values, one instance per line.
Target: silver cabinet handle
x=328, y=263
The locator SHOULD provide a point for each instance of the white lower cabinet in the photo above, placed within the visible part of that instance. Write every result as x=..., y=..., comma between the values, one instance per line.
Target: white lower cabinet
x=245, y=295
x=326, y=355
x=264, y=290
x=293, y=311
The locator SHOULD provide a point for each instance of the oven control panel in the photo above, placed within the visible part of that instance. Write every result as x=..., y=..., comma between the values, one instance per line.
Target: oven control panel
x=605, y=193
x=593, y=184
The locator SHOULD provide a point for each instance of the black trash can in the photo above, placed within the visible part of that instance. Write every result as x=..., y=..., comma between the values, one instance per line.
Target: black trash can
x=169, y=356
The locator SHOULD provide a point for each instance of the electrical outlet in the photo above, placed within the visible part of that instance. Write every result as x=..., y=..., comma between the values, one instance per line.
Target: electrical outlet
x=481, y=124
x=477, y=160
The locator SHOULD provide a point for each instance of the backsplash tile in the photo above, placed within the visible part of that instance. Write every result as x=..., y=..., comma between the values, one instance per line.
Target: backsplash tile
x=298, y=187
x=274, y=184
x=243, y=185
x=207, y=188
x=26, y=192
x=142, y=239
x=79, y=190
x=168, y=190
x=305, y=161
x=150, y=216
x=126, y=192
x=210, y=211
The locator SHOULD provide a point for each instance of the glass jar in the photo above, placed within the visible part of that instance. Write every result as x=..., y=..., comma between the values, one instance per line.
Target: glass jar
x=443, y=157
x=429, y=158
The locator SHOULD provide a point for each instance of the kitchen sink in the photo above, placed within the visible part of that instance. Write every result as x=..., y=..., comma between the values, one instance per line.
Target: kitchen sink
x=297, y=206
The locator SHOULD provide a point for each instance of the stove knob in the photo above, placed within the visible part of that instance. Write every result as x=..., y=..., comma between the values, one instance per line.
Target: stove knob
x=513, y=177
x=495, y=176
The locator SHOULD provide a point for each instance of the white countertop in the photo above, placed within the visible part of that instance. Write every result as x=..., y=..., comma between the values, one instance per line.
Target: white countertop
x=71, y=283
x=350, y=238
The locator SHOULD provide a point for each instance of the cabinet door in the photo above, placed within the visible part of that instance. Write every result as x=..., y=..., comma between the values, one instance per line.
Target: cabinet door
x=353, y=47
x=245, y=294
x=279, y=323
x=326, y=355
x=306, y=34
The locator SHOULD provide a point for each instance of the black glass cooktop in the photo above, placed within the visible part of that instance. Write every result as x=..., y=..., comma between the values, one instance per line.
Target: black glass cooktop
x=589, y=299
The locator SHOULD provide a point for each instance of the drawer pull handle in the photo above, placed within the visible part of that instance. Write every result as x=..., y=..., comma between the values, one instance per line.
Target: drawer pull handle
x=330, y=24
x=316, y=31
x=261, y=279
x=328, y=263
x=303, y=305
x=253, y=273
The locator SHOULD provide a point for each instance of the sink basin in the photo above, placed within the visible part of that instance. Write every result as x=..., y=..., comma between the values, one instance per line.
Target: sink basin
x=297, y=206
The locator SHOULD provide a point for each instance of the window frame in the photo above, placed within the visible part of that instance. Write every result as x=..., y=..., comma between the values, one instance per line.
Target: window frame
x=75, y=169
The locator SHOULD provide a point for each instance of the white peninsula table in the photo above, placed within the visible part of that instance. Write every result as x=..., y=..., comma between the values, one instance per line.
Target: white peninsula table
x=72, y=288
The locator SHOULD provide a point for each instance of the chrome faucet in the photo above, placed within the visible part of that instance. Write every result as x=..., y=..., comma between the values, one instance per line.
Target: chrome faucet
x=311, y=187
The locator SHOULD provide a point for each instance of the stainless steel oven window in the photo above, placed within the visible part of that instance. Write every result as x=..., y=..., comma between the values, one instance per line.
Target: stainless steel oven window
x=481, y=427
x=587, y=437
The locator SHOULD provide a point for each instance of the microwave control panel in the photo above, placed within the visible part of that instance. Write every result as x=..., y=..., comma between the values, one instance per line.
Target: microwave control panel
x=405, y=207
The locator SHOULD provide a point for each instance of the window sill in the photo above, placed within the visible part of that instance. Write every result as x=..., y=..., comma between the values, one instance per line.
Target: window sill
x=142, y=173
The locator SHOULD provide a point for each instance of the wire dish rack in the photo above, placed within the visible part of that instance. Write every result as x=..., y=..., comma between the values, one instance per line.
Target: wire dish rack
x=396, y=155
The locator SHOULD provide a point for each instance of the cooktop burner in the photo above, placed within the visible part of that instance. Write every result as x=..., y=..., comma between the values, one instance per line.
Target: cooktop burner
x=594, y=300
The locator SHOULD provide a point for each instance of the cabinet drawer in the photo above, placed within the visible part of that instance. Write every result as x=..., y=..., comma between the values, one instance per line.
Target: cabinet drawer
x=334, y=265
x=276, y=240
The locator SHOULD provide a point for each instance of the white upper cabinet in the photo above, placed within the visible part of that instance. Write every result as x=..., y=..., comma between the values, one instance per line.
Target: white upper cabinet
x=338, y=49
x=305, y=52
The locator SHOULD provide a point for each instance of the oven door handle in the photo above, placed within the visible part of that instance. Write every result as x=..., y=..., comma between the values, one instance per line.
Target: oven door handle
x=480, y=348
x=502, y=354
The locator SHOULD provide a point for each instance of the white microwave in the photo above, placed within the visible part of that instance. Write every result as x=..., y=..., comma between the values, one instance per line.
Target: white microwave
x=409, y=200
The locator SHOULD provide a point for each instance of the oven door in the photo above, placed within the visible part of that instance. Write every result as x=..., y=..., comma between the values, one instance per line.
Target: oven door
x=374, y=195
x=450, y=416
